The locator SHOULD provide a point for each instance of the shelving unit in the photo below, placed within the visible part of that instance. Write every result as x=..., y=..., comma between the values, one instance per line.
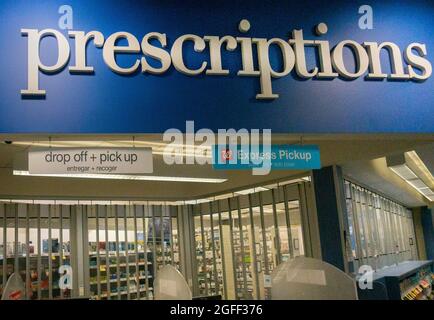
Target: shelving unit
x=210, y=277
x=42, y=288
x=126, y=277
x=175, y=245
x=243, y=263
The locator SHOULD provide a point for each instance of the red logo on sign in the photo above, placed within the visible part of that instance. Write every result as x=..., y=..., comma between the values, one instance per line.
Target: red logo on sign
x=226, y=154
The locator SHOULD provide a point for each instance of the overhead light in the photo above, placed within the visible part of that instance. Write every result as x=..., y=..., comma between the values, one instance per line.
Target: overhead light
x=251, y=190
x=427, y=192
x=123, y=177
x=404, y=172
x=399, y=166
x=198, y=201
x=418, y=183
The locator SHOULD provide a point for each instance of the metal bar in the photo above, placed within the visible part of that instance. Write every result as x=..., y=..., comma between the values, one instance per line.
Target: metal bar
x=154, y=244
x=61, y=244
x=357, y=228
x=377, y=232
x=401, y=230
x=50, y=254
x=136, y=254
x=392, y=232
x=288, y=222
x=28, y=252
x=384, y=226
x=38, y=226
x=397, y=233
x=73, y=257
x=387, y=235
x=216, y=282
x=16, y=260
x=365, y=223
x=5, y=255
x=145, y=250
x=406, y=235
x=240, y=226
x=107, y=256
x=264, y=239
x=181, y=250
x=194, y=246
x=222, y=251
x=401, y=233
x=187, y=244
x=171, y=237
x=82, y=249
x=308, y=224
x=162, y=240
x=127, y=252
x=181, y=241
x=264, y=236
x=204, y=254
x=118, y=273
x=253, y=240
x=98, y=272
x=361, y=227
x=371, y=228
x=276, y=228
x=371, y=237
x=231, y=224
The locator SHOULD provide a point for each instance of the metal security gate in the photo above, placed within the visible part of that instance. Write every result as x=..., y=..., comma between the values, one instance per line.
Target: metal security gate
x=100, y=251
x=381, y=231
x=35, y=243
x=127, y=244
x=112, y=250
x=241, y=239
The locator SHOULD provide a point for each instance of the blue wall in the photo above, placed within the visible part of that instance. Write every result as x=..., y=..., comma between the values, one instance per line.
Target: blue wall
x=108, y=103
x=328, y=217
x=428, y=232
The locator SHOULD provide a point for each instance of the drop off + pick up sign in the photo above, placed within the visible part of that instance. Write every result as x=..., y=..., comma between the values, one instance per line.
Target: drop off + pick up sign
x=90, y=161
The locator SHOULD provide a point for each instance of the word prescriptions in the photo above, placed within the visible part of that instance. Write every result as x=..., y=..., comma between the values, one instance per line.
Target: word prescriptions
x=90, y=161
x=407, y=64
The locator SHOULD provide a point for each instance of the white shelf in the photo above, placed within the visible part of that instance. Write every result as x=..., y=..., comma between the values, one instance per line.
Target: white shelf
x=123, y=293
x=132, y=264
x=121, y=279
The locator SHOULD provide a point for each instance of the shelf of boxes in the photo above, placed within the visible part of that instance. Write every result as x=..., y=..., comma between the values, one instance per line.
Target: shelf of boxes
x=124, y=261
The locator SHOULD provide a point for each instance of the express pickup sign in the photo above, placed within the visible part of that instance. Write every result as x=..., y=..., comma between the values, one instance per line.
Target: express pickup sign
x=72, y=161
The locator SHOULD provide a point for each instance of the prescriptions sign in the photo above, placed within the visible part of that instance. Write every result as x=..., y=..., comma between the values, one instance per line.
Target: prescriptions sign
x=126, y=67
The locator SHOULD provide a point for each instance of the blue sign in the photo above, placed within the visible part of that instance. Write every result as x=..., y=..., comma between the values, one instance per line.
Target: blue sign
x=280, y=157
x=128, y=67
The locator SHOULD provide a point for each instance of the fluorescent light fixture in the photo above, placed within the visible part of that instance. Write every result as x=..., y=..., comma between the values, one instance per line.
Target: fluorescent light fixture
x=404, y=172
x=251, y=190
x=427, y=192
x=398, y=166
x=123, y=177
x=198, y=201
x=417, y=183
